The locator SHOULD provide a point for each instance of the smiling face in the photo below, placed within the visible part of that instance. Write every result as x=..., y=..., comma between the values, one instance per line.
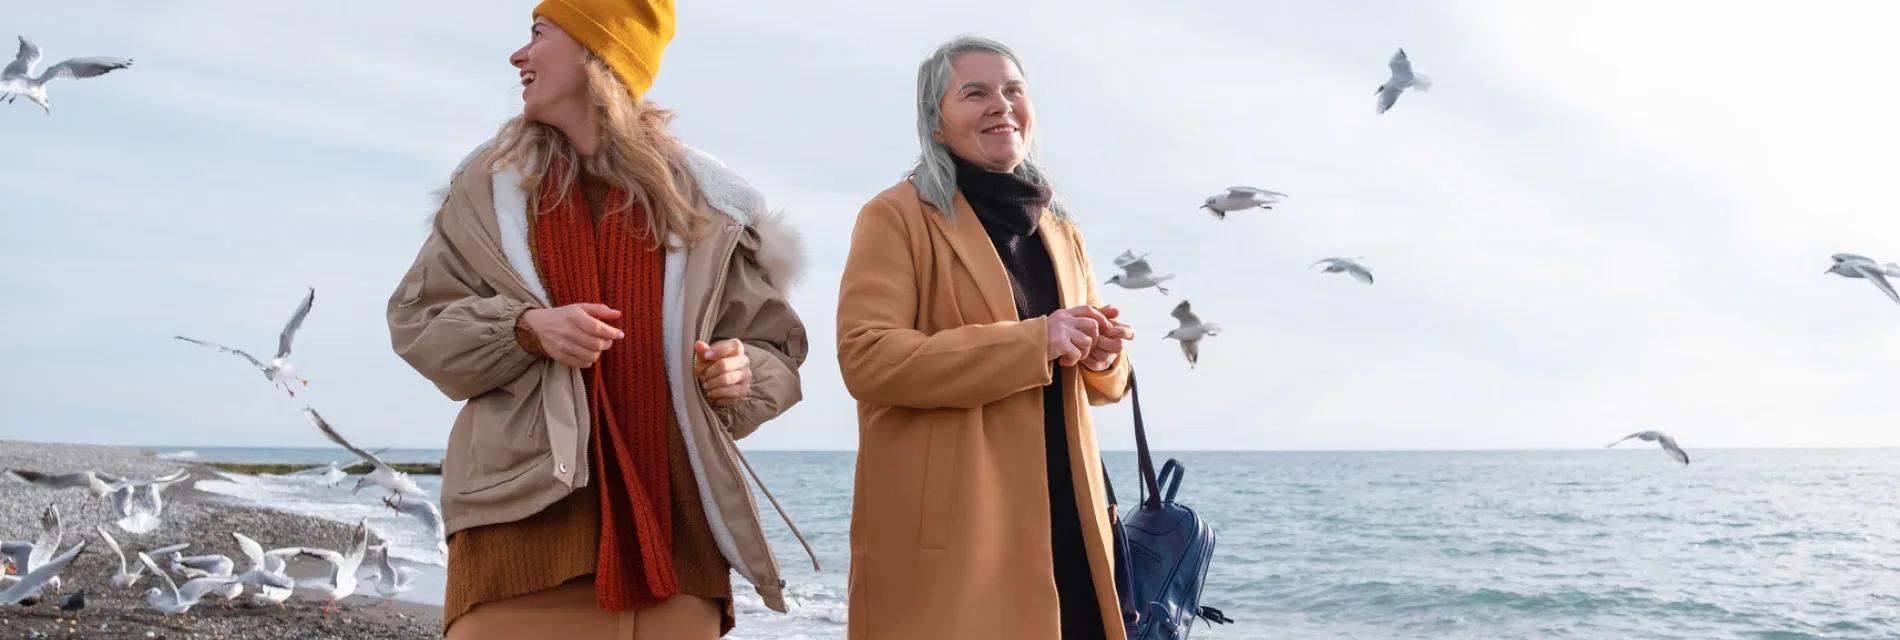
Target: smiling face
x=987, y=117
x=553, y=80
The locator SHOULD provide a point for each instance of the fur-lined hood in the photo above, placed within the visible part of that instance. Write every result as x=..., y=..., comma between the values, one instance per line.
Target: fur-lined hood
x=779, y=246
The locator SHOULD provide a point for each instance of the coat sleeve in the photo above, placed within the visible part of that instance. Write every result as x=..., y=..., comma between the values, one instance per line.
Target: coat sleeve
x=452, y=327
x=886, y=361
x=1108, y=386
x=755, y=311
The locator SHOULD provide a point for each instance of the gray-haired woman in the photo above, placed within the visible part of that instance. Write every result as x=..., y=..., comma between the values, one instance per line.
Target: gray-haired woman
x=972, y=336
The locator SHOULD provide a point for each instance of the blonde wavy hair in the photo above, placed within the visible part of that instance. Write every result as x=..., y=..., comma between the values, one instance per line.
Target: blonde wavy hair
x=636, y=155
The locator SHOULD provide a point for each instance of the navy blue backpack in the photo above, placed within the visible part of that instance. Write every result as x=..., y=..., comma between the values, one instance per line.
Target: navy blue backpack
x=1162, y=550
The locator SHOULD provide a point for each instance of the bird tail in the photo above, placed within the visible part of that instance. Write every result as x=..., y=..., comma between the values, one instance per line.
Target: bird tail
x=1893, y=270
x=1421, y=81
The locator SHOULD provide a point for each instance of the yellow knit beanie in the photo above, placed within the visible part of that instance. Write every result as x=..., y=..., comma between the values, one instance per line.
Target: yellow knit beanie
x=629, y=35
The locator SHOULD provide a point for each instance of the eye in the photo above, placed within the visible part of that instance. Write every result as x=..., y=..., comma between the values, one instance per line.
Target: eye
x=977, y=93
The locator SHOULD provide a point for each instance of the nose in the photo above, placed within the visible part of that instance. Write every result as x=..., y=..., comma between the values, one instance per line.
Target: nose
x=519, y=58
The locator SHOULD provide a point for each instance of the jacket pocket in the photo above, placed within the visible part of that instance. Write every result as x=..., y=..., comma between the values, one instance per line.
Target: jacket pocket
x=940, y=463
x=412, y=286
x=508, y=438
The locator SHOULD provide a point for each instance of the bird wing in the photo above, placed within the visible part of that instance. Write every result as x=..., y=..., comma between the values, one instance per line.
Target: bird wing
x=171, y=588
x=1359, y=272
x=1245, y=192
x=359, y=544
x=213, y=345
x=24, y=61
x=114, y=546
x=75, y=480
x=1846, y=257
x=1138, y=268
x=196, y=588
x=1879, y=278
x=1185, y=314
x=1620, y=440
x=1191, y=349
x=1388, y=96
x=78, y=68
x=328, y=431
x=296, y=322
x=1401, y=66
x=252, y=551
x=1127, y=257
x=47, y=544
x=382, y=564
x=1669, y=446
x=170, y=479
x=170, y=549
x=31, y=583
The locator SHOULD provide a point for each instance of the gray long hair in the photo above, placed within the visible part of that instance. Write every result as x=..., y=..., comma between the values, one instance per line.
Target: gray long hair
x=935, y=174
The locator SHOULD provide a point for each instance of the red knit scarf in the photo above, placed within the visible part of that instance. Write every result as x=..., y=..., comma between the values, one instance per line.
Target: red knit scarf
x=584, y=260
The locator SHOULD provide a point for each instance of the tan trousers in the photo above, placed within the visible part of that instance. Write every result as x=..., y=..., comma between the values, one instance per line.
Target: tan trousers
x=570, y=611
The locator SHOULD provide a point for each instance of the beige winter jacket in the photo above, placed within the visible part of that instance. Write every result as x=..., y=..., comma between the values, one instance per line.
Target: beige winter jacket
x=520, y=441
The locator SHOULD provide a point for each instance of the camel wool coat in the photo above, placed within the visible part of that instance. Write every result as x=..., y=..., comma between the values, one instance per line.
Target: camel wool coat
x=950, y=518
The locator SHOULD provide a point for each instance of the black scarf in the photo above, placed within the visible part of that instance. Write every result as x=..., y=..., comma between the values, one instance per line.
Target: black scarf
x=1010, y=207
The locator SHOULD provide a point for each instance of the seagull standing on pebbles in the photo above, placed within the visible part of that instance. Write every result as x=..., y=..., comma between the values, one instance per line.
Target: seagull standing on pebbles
x=1403, y=77
x=391, y=580
x=18, y=79
x=1347, y=266
x=171, y=598
x=1238, y=198
x=343, y=566
x=281, y=371
x=139, y=503
x=1191, y=332
x=127, y=573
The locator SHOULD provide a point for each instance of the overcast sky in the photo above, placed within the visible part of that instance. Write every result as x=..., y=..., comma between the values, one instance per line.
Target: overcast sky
x=1604, y=217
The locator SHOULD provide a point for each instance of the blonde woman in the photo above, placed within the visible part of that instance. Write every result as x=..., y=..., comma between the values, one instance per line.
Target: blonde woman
x=610, y=306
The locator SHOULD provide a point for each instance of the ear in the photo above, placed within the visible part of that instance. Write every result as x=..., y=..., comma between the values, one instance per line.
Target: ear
x=937, y=136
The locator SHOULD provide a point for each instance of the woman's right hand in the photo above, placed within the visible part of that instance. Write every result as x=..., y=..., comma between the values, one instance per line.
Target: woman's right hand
x=1072, y=333
x=574, y=335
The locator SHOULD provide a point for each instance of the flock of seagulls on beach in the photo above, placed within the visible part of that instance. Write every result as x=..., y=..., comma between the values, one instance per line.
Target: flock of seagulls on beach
x=40, y=567
x=138, y=504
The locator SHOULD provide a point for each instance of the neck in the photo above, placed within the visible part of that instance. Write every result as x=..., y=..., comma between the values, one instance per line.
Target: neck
x=582, y=130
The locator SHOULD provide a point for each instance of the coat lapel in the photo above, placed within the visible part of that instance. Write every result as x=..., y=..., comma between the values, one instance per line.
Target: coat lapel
x=974, y=250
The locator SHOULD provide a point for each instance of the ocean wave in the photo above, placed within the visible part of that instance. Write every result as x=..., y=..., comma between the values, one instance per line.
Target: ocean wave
x=186, y=454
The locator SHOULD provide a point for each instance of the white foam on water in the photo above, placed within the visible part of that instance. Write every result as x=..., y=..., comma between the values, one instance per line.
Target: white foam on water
x=302, y=495
x=178, y=455
x=817, y=611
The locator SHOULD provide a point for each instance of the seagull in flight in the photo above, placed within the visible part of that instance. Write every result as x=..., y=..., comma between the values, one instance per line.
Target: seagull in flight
x=281, y=371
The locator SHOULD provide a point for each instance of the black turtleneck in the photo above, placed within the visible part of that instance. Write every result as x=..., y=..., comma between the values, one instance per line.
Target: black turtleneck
x=1009, y=208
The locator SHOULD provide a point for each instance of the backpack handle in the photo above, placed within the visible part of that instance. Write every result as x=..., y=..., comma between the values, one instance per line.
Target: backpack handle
x=1170, y=478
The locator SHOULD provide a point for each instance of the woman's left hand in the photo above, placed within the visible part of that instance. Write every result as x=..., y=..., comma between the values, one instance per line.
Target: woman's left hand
x=1108, y=345
x=725, y=373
